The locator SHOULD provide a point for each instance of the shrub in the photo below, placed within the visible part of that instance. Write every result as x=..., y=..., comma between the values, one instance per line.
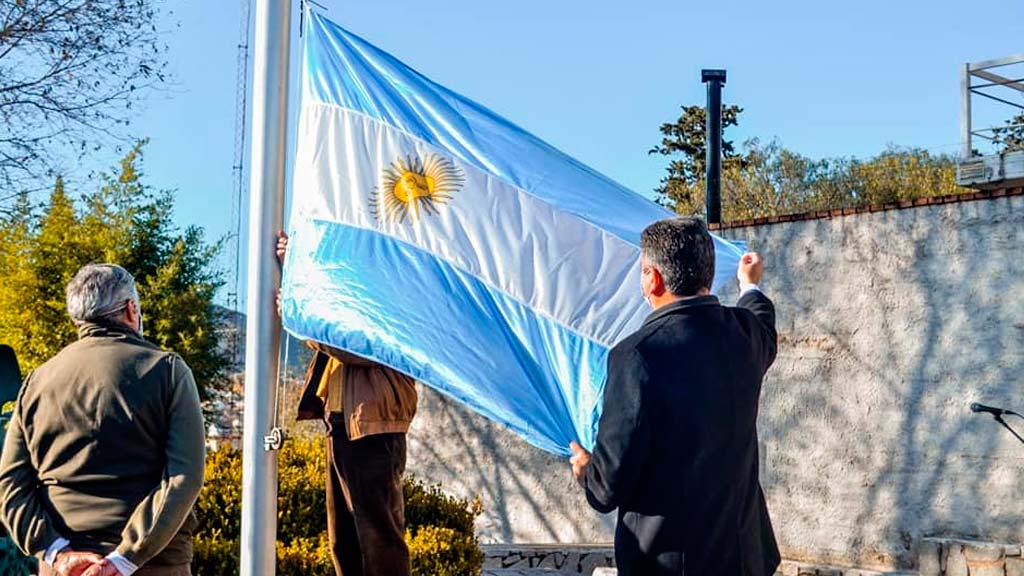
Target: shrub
x=427, y=506
x=305, y=557
x=12, y=562
x=214, y=556
x=439, y=551
x=439, y=527
x=301, y=497
x=219, y=507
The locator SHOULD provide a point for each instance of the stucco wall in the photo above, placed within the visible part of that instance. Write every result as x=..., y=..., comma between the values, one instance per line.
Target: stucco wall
x=890, y=324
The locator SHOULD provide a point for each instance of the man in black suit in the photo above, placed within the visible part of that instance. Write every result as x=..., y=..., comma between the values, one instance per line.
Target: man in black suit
x=676, y=448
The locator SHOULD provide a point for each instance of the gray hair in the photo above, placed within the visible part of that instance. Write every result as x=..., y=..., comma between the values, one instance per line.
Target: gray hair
x=99, y=291
x=683, y=252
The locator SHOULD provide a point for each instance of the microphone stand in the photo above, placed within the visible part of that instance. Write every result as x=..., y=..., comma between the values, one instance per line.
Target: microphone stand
x=999, y=418
x=1006, y=425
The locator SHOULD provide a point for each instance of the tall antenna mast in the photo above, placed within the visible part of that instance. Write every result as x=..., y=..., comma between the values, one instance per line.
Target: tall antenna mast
x=238, y=172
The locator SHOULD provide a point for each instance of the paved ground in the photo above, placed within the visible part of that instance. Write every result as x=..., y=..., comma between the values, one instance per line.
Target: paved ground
x=543, y=571
x=526, y=572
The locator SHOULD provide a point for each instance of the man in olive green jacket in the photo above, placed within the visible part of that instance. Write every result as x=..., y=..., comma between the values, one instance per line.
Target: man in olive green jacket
x=104, y=455
x=368, y=408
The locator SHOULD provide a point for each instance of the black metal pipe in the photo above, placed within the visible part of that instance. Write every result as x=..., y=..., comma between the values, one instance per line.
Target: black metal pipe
x=713, y=145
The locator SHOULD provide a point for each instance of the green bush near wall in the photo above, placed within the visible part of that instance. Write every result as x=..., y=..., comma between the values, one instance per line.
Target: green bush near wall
x=439, y=527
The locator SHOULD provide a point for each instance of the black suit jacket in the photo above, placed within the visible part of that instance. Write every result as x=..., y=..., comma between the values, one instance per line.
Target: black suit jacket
x=676, y=448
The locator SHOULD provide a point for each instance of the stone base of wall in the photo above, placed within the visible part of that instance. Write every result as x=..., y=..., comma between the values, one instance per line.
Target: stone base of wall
x=600, y=561
x=568, y=559
x=788, y=568
x=937, y=557
x=949, y=557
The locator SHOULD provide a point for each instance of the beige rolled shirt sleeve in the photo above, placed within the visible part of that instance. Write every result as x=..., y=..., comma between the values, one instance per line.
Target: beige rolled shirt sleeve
x=341, y=355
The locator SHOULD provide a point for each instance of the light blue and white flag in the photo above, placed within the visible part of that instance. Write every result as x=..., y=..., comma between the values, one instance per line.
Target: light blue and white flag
x=434, y=236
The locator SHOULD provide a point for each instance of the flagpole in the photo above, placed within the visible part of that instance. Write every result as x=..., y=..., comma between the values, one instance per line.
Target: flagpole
x=263, y=327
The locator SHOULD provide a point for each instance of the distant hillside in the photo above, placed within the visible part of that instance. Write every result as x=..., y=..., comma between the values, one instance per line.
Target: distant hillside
x=298, y=353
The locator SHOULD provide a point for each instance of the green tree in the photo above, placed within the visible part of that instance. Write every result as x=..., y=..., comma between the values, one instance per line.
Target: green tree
x=897, y=174
x=125, y=221
x=1010, y=138
x=771, y=180
x=766, y=179
x=684, y=141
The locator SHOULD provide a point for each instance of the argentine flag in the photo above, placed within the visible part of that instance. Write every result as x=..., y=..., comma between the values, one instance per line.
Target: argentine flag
x=434, y=236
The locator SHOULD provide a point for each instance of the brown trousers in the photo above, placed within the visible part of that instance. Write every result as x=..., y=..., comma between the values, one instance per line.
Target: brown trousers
x=186, y=570
x=365, y=505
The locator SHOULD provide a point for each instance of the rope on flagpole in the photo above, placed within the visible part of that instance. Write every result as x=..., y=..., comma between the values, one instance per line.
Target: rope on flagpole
x=275, y=440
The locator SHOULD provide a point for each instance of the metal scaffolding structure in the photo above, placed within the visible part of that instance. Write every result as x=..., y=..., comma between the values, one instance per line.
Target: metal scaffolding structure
x=1006, y=166
x=987, y=88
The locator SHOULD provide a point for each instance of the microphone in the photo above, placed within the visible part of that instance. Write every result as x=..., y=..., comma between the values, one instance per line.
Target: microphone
x=978, y=408
x=997, y=414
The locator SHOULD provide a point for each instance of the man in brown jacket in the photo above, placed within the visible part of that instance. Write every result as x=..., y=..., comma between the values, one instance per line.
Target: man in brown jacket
x=104, y=455
x=368, y=408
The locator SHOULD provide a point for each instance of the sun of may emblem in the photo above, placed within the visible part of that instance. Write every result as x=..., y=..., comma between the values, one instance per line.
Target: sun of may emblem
x=411, y=186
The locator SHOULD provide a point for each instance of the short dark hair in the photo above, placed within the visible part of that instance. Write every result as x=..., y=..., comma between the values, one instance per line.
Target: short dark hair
x=683, y=252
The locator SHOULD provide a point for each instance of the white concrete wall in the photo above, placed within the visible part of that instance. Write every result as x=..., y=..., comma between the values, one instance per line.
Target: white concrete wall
x=890, y=324
x=529, y=496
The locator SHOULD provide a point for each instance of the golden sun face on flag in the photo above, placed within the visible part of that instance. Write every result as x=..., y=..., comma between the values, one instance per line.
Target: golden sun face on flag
x=411, y=187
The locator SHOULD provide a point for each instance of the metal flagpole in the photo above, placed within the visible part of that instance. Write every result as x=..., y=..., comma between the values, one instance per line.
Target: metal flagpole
x=263, y=328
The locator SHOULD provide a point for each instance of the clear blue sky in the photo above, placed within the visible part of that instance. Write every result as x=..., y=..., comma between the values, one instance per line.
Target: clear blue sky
x=597, y=78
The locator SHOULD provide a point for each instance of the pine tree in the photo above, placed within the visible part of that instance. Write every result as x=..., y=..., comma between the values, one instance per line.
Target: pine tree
x=126, y=222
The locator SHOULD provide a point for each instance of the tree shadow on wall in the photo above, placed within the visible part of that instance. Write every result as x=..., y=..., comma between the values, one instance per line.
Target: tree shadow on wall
x=528, y=494
x=902, y=326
